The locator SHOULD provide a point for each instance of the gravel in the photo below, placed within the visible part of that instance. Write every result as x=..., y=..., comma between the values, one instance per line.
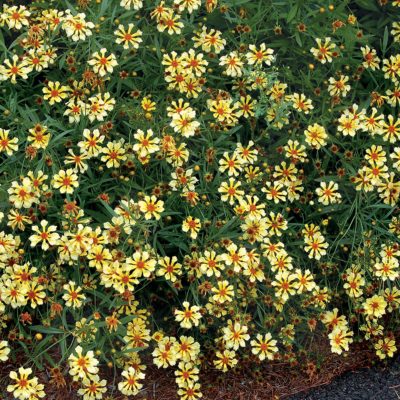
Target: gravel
x=365, y=384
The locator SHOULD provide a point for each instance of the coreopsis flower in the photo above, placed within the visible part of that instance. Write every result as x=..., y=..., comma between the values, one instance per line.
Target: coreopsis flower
x=370, y=59
x=188, y=317
x=233, y=164
x=391, y=130
x=141, y=264
x=301, y=103
x=339, y=87
x=99, y=257
x=39, y=136
x=395, y=156
x=209, y=40
x=23, y=386
x=36, y=60
x=275, y=223
x=151, y=207
x=114, y=153
x=146, y=143
x=76, y=27
x=187, y=349
x=65, y=181
x=375, y=306
x=73, y=297
x=192, y=226
x=325, y=50
x=385, y=347
x=191, y=391
x=35, y=294
x=225, y=360
x=235, y=257
x=223, y=111
x=275, y=192
x=224, y=292
x=130, y=384
x=127, y=4
x=332, y=320
x=387, y=269
x=233, y=64
x=171, y=23
x=101, y=63
x=354, y=283
x=187, y=372
x=4, y=350
x=235, y=335
x=328, y=193
x=16, y=17
x=93, y=388
x=54, y=92
x=305, y=281
x=165, y=354
x=264, y=346
x=8, y=145
x=46, y=235
x=260, y=55
x=14, y=68
x=315, y=246
x=77, y=160
x=211, y=263
x=190, y=5
x=316, y=136
x=193, y=62
x=184, y=122
x=230, y=191
x=340, y=338
x=396, y=31
x=284, y=284
x=82, y=366
x=91, y=145
x=169, y=268
x=127, y=38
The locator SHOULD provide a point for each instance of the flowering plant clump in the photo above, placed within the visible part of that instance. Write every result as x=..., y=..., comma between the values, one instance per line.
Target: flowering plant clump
x=192, y=183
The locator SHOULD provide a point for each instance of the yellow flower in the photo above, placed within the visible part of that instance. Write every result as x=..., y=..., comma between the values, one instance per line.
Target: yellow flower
x=130, y=385
x=385, y=347
x=4, y=350
x=73, y=298
x=259, y=55
x=225, y=360
x=82, y=366
x=146, y=143
x=340, y=338
x=101, y=63
x=151, y=207
x=93, y=388
x=114, y=152
x=316, y=136
x=14, y=68
x=223, y=292
x=191, y=225
x=127, y=38
x=230, y=192
x=54, y=92
x=46, y=235
x=324, y=52
x=7, y=144
x=65, y=181
x=264, y=346
x=189, y=317
x=375, y=306
x=25, y=387
x=39, y=136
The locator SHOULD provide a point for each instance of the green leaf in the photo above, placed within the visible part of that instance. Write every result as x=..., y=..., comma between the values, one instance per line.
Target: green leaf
x=44, y=329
